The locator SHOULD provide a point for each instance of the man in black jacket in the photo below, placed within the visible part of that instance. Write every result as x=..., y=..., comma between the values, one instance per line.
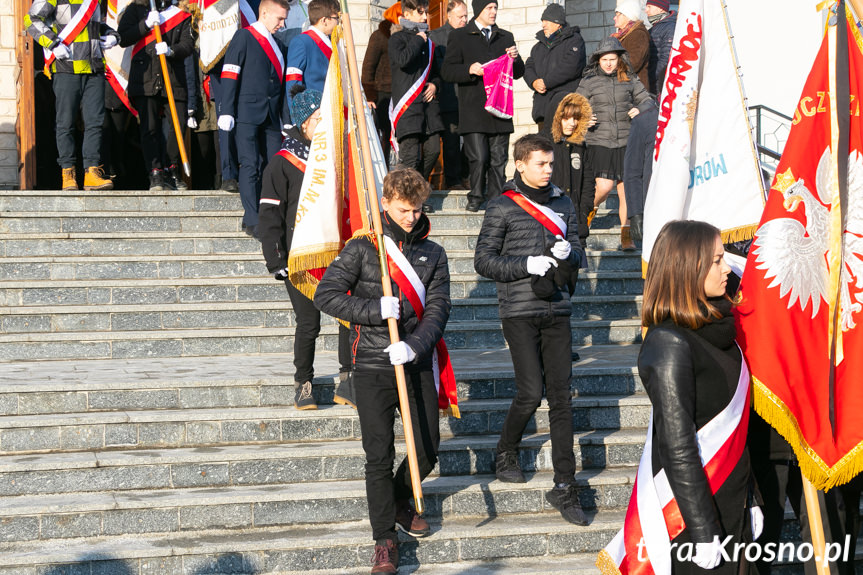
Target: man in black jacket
x=663, y=21
x=351, y=290
x=529, y=245
x=280, y=193
x=486, y=137
x=555, y=64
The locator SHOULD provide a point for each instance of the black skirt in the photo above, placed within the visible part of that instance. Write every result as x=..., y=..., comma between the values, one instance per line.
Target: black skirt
x=605, y=162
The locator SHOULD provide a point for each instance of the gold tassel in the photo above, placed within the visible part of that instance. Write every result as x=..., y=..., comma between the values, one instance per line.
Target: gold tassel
x=606, y=564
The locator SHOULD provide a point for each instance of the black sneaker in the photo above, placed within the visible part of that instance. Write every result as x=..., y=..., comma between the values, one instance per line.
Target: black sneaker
x=177, y=181
x=564, y=498
x=344, y=394
x=157, y=183
x=303, y=398
x=473, y=206
x=506, y=468
x=230, y=186
x=575, y=356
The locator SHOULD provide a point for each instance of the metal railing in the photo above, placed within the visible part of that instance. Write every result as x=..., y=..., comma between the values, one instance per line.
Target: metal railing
x=771, y=133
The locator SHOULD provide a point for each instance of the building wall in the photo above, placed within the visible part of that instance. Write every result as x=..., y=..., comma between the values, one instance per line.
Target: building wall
x=9, y=73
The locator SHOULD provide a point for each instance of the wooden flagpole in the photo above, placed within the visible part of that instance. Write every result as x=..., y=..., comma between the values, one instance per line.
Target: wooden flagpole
x=371, y=191
x=178, y=133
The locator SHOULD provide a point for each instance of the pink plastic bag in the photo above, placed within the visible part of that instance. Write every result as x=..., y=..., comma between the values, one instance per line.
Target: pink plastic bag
x=497, y=79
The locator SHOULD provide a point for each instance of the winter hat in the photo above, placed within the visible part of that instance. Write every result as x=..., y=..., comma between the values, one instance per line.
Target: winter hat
x=479, y=5
x=629, y=8
x=304, y=103
x=607, y=46
x=554, y=13
x=661, y=4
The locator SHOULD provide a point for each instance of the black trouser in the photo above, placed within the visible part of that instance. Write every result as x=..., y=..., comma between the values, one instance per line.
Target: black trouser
x=205, y=158
x=382, y=120
x=113, y=142
x=71, y=93
x=420, y=152
x=541, y=350
x=451, y=142
x=487, y=156
x=377, y=400
x=306, y=332
x=150, y=111
x=228, y=158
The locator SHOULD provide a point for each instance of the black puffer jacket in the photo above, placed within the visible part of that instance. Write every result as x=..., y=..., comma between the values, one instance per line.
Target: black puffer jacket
x=357, y=269
x=145, y=75
x=691, y=376
x=559, y=61
x=409, y=57
x=509, y=235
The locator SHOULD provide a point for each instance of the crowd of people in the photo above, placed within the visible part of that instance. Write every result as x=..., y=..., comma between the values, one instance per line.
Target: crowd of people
x=255, y=114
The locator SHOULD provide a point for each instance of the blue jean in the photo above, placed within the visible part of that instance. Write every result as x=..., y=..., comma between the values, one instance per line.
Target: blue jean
x=71, y=92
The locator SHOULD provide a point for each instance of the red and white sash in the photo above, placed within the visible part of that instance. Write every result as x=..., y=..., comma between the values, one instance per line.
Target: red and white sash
x=412, y=287
x=169, y=18
x=653, y=515
x=72, y=29
x=398, y=109
x=320, y=42
x=297, y=161
x=543, y=214
x=271, y=49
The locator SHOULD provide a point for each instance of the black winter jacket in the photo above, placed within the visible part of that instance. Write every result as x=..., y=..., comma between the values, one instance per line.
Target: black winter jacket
x=509, y=235
x=281, y=184
x=559, y=61
x=409, y=57
x=464, y=47
x=357, y=270
x=691, y=376
x=145, y=75
x=661, y=38
x=447, y=96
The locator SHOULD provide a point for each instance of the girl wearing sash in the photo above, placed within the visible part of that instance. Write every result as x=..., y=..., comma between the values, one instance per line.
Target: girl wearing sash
x=695, y=376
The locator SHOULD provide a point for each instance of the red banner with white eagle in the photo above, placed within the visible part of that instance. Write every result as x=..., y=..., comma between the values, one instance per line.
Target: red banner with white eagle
x=801, y=295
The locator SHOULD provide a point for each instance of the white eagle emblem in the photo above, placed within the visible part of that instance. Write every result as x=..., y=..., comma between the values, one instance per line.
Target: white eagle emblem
x=796, y=256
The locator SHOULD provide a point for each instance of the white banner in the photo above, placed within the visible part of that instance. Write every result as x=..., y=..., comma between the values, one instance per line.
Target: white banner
x=219, y=21
x=704, y=166
x=118, y=60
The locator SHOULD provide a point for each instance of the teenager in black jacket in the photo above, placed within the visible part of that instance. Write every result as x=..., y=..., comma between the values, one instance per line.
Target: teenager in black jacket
x=280, y=193
x=351, y=290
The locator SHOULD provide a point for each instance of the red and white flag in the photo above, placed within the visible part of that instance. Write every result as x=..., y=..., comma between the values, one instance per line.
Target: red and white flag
x=118, y=60
x=219, y=21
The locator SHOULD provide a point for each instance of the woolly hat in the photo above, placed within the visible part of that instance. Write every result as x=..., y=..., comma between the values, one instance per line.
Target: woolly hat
x=554, y=13
x=479, y=5
x=629, y=8
x=661, y=4
x=304, y=103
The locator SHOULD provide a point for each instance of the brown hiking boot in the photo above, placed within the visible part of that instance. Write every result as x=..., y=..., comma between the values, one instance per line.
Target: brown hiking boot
x=95, y=179
x=409, y=521
x=626, y=243
x=69, y=181
x=386, y=559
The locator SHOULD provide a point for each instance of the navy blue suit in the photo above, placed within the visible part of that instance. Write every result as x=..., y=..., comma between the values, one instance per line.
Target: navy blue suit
x=252, y=92
x=307, y=64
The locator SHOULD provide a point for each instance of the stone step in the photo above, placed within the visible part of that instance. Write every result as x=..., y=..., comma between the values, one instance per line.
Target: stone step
x=339, y=547
x=273, y=464
x=225, y=341
x=151, y=429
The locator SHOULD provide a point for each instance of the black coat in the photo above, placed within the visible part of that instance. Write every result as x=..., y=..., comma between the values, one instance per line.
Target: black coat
x=281, y=184
x=357, y=270
x=661, y=38
x=464, y=47
x=145, y=75
x=509, y=235
x=559, y=61
x=409, y=57
x=690, y=379
x=447, y=96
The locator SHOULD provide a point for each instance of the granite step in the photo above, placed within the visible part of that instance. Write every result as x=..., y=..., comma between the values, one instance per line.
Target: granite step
x=105, y=514
x=343, y=546
x=152, y=429
x=282, y=463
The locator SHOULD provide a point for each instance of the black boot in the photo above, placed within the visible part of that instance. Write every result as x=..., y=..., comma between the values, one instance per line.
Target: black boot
x=636, y=227
x=157, y=183
x=176, y=179
x=344, y=394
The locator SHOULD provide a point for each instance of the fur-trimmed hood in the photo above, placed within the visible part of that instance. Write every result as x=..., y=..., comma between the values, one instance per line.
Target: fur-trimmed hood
x=580, y=131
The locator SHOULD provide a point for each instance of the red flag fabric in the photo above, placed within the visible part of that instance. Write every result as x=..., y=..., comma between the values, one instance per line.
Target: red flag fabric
x=804, y=271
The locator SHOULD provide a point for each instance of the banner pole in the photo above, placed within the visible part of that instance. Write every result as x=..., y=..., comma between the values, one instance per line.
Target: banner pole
x=392, y=323
x=816, y=527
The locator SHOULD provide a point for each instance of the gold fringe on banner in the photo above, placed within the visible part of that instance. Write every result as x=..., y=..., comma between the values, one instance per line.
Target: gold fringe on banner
x=606, y=564
x=740, y=234
x=298, y=264
x=822, y=476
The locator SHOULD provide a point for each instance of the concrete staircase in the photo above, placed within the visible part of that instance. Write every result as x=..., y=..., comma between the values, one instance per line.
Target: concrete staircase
x=161, y=437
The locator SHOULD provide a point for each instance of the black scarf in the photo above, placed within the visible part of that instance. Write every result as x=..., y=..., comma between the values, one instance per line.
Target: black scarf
x=720, y=332
x=538, y=195
x=420, y=231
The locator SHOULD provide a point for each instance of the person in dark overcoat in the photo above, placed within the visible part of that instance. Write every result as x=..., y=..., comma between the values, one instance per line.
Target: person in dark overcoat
x=486, y=137
x=377, y=77
x=555, y=64
x=634, y=36
x=663, y=22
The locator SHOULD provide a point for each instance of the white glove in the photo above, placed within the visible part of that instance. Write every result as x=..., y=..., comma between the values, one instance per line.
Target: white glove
x=226, y=123
x=390, y=307
x=282, y=274
x=61, y=51
x=561, y=248
x=400, y=353
x=708, y=555
x=192, y=122
x=108, y=42
x=162, y=49
x=757, y=518
x=152, y=19
x=538, y=265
